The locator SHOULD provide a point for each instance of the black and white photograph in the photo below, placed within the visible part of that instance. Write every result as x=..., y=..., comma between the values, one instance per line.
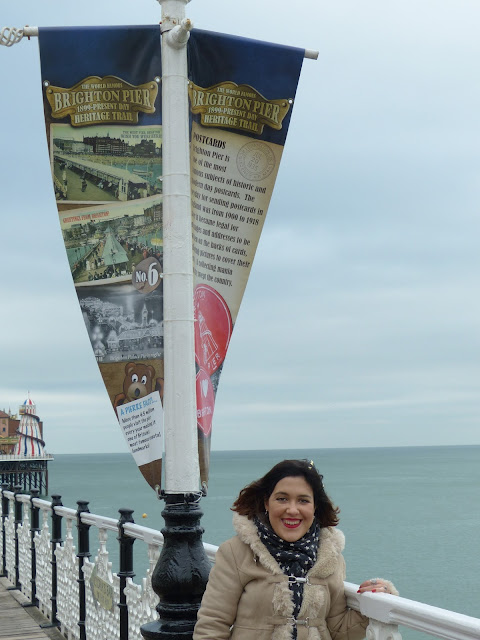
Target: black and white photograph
x=122, y=323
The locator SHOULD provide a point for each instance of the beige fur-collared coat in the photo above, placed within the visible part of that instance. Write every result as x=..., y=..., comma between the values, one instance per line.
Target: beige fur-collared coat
x=248, y=598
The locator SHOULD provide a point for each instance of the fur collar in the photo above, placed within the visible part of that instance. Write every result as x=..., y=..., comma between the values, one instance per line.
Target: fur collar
x=332, y=542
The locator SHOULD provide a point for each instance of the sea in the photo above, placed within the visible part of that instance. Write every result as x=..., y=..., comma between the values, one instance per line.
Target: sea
x=409, y=514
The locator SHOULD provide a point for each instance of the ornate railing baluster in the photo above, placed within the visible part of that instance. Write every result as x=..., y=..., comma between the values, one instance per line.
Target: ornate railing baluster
x=380, y=631
x=55, y=541
x=141, y=598
x=82, y=555
x=25, y=547
x=43, y=550
x=67, y=573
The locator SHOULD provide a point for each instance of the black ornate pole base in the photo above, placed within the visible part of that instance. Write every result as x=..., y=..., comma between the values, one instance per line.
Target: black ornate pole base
x=181, y=573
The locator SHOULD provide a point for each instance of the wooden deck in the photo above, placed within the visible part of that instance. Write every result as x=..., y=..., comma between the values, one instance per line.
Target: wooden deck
x=19, y=623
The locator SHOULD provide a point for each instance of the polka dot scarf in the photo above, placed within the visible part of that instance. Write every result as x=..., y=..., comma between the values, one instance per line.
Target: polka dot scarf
x=294, y=558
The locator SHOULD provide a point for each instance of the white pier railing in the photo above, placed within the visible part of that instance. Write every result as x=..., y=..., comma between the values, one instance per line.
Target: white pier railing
x=21, y=458
x=75, y=592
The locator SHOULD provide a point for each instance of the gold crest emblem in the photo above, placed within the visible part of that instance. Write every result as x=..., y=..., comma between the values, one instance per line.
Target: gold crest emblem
x=237, y=106
x=106, y=100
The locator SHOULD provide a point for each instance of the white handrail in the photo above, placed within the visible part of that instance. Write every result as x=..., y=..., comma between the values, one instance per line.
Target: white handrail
x=40, y=503
x=395, y=610
x=101, y=522
x=152, y=536
x=138, y=532
x=65, y=512
x=15, y=457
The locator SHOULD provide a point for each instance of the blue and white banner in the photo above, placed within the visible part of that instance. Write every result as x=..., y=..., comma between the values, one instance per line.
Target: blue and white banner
x=102, y=102
x=241, y=97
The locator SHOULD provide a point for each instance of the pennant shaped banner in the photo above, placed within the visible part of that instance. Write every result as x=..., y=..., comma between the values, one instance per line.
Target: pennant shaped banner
x=241, y=96
x=102, y=106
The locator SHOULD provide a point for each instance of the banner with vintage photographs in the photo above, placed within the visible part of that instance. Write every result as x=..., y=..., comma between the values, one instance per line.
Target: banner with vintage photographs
x=102, y=104
x=241, y=95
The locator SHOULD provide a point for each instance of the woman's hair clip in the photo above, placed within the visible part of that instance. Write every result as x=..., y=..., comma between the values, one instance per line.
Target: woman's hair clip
x=311, y=465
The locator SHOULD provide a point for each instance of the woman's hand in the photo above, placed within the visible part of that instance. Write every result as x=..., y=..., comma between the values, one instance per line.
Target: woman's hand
x=377, y=585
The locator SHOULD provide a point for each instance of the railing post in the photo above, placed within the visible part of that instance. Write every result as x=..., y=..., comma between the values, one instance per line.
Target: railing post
x=5, y=486
x=83, y=552
x=126, y=568
x=56, y=539
x=377, y=630
x=18, y=511
x=34, y=529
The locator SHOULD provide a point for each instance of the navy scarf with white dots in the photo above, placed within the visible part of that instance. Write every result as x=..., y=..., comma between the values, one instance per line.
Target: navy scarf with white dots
x=294, y=558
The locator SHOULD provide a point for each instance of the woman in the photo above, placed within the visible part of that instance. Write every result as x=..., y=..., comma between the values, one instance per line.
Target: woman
x=281, y=577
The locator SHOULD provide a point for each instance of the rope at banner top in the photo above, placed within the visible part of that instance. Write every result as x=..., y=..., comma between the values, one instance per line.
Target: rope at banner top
x=10, y=36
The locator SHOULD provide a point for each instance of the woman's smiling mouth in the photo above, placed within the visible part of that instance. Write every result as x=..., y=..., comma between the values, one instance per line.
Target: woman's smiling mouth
x=291, y=524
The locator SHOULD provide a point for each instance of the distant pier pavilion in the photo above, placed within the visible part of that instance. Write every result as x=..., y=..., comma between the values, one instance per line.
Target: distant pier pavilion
x=23, y=459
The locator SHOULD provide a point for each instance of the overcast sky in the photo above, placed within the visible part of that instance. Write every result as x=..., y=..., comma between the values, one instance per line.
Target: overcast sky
x=360, y=323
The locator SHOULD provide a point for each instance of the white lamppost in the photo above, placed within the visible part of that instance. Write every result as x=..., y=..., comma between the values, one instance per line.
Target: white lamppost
x=183, y=566
x=181, y=463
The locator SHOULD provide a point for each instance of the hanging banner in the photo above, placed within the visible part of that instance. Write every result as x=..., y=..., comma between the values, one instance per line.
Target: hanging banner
x=241, y=96
x=102, y=103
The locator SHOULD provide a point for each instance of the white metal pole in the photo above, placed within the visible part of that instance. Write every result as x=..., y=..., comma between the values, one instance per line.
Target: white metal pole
x=181, y=445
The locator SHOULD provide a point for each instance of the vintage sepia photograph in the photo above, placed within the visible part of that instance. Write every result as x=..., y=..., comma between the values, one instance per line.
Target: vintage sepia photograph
x=105, y=163
x=106, y=243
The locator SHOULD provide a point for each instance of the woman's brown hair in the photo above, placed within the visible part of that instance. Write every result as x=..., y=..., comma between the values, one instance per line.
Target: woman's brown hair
x=251, y=500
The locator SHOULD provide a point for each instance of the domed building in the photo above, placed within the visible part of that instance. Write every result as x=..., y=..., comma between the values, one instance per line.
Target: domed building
x=30, y=442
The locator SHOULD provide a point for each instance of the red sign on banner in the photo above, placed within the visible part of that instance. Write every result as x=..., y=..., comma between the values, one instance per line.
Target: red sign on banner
x=213, y=327
x=205, y=402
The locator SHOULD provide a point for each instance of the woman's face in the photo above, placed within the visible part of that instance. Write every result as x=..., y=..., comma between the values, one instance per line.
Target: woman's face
x=291, y=508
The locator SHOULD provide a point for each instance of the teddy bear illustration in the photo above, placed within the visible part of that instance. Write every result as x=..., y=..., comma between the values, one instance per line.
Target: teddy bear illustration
x=139, y=381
